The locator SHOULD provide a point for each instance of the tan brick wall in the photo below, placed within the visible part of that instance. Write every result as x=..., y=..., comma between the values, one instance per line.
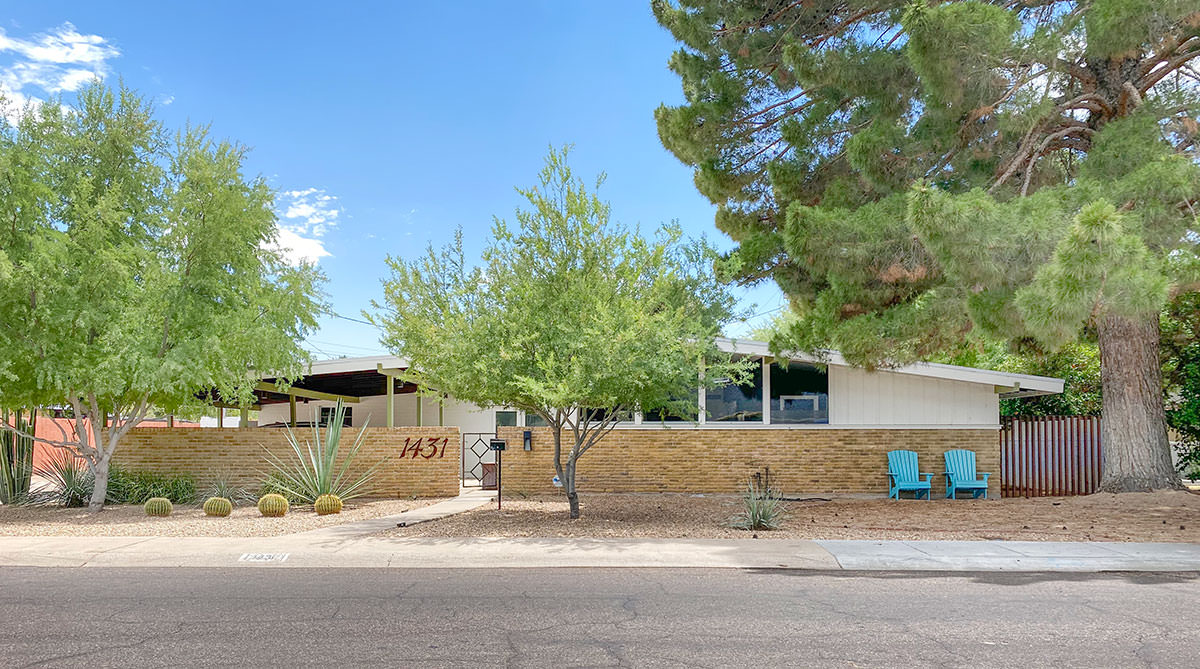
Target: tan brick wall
x=238, y=453
x=721, y=460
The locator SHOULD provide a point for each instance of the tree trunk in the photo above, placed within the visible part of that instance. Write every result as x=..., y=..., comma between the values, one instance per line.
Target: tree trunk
x=99, y=486
x=569, y=488
x=1137, y=455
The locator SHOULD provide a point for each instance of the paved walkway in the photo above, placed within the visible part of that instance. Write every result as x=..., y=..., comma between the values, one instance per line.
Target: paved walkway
x=468, y=499
x=309, y=550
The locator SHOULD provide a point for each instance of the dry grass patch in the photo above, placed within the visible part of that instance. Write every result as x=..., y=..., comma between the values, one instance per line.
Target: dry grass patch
x=1162, y=516
x=188, y=521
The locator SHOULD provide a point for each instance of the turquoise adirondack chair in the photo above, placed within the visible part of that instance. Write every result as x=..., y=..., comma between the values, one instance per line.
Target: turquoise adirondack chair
x=960, y=474
x=904, y=475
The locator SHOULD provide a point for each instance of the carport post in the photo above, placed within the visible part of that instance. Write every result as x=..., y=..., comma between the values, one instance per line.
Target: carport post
x=391, y=400
x=419, y=403
x=291, y=410
x=244, y=418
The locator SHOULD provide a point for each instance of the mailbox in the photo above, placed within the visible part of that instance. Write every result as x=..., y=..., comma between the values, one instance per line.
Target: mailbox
x=497, y=444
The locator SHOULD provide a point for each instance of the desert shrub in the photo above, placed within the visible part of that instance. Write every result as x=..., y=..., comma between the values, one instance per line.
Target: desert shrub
x=314, y=469
x=274, y=484
x=70, y=481
x=222, y=486
x=762, y=509
x=138, y=487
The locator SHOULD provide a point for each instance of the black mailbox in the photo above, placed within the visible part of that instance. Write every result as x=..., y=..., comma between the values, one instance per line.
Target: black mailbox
x=497, y=444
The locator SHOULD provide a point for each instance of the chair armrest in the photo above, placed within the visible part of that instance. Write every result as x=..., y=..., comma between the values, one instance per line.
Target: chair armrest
x=985, y=476
x=928, y=476
x=891, y=475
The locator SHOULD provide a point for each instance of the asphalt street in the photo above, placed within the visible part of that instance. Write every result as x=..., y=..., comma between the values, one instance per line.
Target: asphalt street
x=278, y=616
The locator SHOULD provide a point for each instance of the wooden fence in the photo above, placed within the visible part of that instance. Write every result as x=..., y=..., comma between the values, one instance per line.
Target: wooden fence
x=1049, y=456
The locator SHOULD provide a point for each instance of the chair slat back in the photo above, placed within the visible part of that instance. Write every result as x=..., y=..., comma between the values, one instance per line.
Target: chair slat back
x=904, y=465
x=961, y=463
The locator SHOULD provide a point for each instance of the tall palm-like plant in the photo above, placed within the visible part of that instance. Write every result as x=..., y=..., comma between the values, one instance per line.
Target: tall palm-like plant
x=314, y=468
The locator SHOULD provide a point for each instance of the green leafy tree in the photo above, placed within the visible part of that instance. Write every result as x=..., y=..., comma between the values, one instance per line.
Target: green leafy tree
x=568, y=316
x=1181, y=372
x=914, y=173
x=138, y=269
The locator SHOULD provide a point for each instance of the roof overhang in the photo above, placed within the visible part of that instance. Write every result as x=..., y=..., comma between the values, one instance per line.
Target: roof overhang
x=1007, y=384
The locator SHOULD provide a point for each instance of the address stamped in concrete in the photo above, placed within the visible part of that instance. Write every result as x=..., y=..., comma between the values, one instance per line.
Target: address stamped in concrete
x=263, y=557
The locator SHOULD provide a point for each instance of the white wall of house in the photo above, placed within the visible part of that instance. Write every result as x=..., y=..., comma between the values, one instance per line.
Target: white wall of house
x=858, y=397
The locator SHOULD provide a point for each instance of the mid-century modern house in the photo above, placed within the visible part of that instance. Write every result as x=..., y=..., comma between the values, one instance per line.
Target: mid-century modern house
x=800, y=393
x=806, y=425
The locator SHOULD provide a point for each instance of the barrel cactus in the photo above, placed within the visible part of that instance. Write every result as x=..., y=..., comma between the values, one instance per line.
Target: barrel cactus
x=327, y=504
x=272, y=505
x=218, y=506
x=158, y=506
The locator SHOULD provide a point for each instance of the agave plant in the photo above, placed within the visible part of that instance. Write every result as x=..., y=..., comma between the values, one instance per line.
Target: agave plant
x=315, y=468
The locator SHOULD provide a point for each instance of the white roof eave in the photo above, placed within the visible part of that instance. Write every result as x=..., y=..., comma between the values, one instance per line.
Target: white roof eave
x=1004, y=382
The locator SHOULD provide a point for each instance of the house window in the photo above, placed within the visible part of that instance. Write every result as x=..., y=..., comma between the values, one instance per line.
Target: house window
x=327, y=415
x=729, y=402
x=534, y=420
x=506, y=419
x=661, y=416
x=799, y=394
x=599, y=415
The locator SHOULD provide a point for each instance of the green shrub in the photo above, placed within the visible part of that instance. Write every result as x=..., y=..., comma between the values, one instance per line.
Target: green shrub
x=314, y=469
x=762, y=509
x=136, y=487
x=273, y=484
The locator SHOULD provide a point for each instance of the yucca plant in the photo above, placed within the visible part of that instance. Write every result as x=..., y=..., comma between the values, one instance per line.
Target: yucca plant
x=316, y=469
x=16, y=457
x=70, y=480
x=762, y=509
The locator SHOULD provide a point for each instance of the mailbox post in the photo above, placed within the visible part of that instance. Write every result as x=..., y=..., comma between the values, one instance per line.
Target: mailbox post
x=498, y=446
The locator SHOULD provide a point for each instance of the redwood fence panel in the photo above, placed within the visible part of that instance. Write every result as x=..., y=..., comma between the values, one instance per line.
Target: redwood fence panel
x=1044, y=456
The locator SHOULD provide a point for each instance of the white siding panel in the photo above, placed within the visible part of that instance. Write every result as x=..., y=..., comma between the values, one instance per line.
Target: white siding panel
x=859, y=397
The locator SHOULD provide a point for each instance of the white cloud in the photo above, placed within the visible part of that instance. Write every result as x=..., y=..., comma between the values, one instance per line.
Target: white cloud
x=304, y=218
x=166, y=100
x=59, y=61
x=296, y=249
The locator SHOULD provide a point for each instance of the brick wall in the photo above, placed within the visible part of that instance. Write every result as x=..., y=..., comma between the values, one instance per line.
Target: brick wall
x=238, y=453
x=719, y=460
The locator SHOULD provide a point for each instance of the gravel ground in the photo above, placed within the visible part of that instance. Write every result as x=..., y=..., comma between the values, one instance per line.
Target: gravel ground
x=188, y=521
x=1162, y=516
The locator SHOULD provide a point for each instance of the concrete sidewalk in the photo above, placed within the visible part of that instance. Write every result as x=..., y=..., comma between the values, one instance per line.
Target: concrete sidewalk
x=309, y=550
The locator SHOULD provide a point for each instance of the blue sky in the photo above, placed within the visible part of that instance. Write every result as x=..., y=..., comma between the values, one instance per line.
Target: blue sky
x=383, y=125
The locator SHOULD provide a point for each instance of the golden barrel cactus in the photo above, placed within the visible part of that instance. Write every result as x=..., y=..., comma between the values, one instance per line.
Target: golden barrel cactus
x=327, y=504
x=218, y=506
x=273, y=506
x=158, y=506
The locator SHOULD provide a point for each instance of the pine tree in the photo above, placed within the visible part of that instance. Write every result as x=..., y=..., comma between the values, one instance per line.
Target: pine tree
x=910, y=173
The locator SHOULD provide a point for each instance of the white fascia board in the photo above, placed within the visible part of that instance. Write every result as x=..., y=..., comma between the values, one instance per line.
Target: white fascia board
x=1003, y=382
x=370, y=363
